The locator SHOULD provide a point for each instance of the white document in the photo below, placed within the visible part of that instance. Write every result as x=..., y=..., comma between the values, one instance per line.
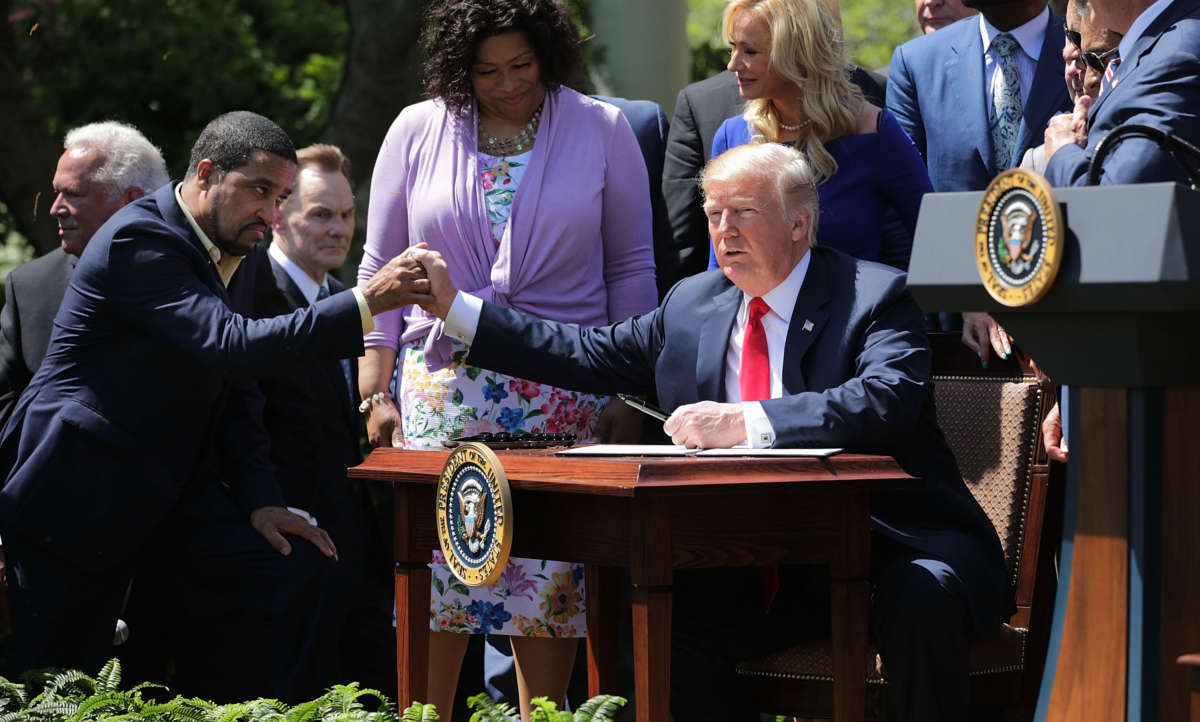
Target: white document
x=668, y=450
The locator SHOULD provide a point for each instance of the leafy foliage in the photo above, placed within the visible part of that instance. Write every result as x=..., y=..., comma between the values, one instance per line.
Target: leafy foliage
x=597, y=709
x=873, y=29
x=75, y=697
x=170, y=66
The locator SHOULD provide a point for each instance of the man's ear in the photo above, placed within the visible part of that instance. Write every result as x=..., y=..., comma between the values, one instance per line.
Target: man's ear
x=206, y=174
x=801, y=221
x=131, y=194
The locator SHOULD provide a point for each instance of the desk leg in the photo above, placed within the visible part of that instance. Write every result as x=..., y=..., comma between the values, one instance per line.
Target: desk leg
x=651, y=573
x=603, y=633
x=849, y=591
x=412, y=605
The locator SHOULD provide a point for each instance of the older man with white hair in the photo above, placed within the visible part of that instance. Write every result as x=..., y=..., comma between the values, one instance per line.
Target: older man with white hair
x=103, y=167
x=787, y=345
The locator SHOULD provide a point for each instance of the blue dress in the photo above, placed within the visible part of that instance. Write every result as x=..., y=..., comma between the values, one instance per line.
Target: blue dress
x=877, y=172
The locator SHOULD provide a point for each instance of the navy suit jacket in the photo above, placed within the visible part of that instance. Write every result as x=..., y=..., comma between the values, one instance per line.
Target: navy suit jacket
x=314, y=429
x=32, y=295
x=147, y=385
x=1159, y=86
x=859, y=379
x=936, y=90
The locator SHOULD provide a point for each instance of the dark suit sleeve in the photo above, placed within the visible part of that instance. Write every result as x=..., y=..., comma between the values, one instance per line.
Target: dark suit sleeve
x=1168, y=98
x=170, y=302
x=882, y=399
x=14, y=377
x=902, y=100
x=684, y=160
x=602, y=360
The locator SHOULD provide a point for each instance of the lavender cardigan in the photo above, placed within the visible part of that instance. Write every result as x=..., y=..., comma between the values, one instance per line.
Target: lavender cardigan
x=578, y=244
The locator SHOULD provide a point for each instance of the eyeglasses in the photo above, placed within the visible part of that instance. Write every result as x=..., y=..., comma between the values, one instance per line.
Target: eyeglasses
x=1088, y=59
x=1095, y=61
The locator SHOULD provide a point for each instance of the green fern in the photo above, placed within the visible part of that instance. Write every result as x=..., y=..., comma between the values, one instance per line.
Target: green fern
x=487, y=710
x=601, y=708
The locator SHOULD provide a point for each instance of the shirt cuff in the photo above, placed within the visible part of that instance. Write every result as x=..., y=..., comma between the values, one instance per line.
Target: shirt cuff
x=759, y=432
x=462, y=321
x=364, y=311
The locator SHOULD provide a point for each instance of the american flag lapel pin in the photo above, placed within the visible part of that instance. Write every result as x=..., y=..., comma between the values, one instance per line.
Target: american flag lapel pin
x=808, y=325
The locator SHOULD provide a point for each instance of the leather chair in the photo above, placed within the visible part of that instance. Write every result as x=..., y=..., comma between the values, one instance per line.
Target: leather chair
x=992, y=420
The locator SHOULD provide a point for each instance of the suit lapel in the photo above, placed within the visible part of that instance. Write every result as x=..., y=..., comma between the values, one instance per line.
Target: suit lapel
x=964, y=74
x=1047, y=94
x=808, y=321
x=168, y=206
x=718, y=321
x=1143, y=47
x=290, y=290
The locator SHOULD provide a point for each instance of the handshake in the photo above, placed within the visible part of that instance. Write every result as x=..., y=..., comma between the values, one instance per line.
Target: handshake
x=418, y=276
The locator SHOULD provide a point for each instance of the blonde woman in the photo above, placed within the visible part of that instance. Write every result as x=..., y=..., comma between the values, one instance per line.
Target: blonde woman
x=791, y=69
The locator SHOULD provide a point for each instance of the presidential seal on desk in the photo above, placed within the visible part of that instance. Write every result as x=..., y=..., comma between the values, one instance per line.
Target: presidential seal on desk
x=474, y=515
x=1018, y=237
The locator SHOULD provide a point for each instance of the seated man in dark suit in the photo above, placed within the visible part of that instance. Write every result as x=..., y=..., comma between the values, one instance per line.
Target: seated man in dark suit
x=103, y=167
x=144, y=396
x=787, y=345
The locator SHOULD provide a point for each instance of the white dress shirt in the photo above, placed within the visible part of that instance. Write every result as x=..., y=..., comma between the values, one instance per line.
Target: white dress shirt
x=1030, y=37
x=462, y=321
x=308, y=287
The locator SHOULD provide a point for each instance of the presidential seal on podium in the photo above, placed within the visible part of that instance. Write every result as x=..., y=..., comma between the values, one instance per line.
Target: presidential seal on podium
x=474, y=515
x=1018, y=237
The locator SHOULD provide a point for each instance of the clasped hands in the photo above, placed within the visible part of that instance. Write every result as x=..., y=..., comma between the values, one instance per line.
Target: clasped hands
x=1068, y=128
x=705, y=425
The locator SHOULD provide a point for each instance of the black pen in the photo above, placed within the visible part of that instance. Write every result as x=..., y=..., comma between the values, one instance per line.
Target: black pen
x=644, y=407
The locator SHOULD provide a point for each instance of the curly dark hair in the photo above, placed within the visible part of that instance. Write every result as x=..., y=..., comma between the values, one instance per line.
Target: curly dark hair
x=453, y=29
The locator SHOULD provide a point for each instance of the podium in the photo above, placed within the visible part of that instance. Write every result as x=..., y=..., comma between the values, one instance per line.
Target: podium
x=1119, y=327
x=653, y=515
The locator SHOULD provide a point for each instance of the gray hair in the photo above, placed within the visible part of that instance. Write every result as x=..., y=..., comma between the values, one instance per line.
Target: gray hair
x=130, y=160
x=775, y=163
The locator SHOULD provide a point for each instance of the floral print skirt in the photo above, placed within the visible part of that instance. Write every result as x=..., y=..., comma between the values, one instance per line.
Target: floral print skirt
x=534, y=597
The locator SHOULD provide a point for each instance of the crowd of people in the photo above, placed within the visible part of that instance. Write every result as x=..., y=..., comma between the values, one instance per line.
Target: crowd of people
x=184, y=383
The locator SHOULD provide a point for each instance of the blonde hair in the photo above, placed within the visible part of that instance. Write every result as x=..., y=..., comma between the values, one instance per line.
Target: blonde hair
x=806, y=50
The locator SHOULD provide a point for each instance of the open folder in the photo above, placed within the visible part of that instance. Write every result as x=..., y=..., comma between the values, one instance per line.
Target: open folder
x=669, y=450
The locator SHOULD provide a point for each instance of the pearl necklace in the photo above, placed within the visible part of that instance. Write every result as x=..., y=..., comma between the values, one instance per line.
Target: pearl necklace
x=513, y=144
x=802, y=124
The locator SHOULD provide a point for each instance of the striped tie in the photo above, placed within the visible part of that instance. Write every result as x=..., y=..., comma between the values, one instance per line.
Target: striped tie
x=1110, y=74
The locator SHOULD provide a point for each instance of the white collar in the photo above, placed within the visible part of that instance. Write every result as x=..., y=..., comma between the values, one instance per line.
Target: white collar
x=1029, y=36
x=308, y=287
x=782, y=298
x=1140, y=23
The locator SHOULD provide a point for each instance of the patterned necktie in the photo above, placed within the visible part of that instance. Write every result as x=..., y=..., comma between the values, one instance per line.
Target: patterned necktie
x=322, y=294
x=1110, y=80
x=754, y=378
x=754, y=383
x=1006, y=102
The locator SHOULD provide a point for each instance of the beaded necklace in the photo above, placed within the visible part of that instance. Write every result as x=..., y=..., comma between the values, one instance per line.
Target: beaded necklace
x=513, y=144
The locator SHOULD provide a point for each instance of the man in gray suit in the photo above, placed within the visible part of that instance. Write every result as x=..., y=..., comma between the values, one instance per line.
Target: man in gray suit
x=103, y=167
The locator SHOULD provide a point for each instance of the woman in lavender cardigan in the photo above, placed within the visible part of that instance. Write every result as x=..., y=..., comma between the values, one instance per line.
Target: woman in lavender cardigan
x=537, y=198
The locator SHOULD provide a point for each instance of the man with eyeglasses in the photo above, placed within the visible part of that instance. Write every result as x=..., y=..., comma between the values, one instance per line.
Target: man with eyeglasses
x=1086, y=51
x=1155, y=80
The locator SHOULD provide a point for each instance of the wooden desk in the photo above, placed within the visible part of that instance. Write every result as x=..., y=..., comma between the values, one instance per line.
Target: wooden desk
x=654, y=515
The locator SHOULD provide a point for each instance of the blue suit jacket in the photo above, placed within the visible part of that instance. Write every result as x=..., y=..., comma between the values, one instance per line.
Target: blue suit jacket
x=147, y=386
x=859, y=379
x=936, y=90
x=1159, y=86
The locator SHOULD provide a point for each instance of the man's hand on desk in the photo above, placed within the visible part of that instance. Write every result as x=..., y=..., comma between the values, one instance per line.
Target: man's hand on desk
x=275, y=521
x=707, y=425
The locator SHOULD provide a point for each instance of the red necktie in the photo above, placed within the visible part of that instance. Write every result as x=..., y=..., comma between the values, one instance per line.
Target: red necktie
x=754, y=379
x=754, y=383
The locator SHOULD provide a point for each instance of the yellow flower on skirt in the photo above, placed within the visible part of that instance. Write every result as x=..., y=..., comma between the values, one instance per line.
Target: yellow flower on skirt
x=561, y=597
